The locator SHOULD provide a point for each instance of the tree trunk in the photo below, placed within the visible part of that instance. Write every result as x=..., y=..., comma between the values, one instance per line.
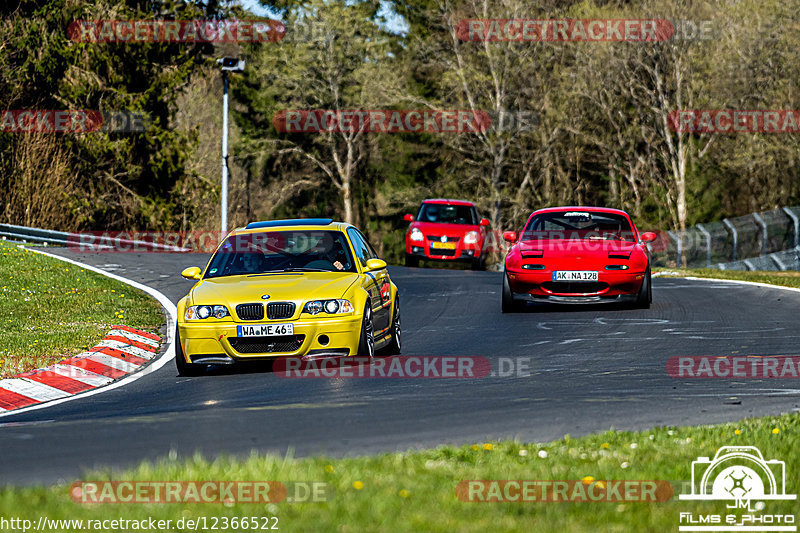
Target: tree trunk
x=347, y=197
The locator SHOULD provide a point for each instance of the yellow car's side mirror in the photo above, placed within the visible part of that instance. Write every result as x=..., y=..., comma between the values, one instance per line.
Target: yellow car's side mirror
x=192, y=273
x=375, y=264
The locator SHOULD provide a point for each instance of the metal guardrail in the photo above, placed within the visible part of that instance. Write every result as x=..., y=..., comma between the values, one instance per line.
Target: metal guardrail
x=63, y=238
x=769, y=240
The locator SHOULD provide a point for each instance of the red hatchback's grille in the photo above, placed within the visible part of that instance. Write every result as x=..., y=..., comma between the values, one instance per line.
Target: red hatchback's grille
x=442, y=251
x=567, y=287
x=438, y=238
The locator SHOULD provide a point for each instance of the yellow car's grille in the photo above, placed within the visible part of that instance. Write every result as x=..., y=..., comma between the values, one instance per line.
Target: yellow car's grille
x=250, y=311
x=284, y=343
x=278, y=310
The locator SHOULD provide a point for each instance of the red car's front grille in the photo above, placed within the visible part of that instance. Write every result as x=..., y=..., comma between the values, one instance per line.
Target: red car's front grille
x=567, y=287
x=438, y=238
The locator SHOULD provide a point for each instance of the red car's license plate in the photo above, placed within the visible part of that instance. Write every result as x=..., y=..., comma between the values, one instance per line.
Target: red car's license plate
x=574, y=275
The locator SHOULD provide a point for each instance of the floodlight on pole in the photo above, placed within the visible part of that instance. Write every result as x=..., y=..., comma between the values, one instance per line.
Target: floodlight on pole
x=226, y=65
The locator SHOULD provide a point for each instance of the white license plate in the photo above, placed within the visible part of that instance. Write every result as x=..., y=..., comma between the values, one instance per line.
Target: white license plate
x=265, y=330
x=574, y=275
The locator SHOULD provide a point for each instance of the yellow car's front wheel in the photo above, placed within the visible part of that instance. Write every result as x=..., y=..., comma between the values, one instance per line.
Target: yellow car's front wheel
x=396, y=342
x=366, y=343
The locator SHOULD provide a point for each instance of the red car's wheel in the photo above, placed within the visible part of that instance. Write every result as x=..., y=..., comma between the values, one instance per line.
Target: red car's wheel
x=645, y=296
x=509, y=304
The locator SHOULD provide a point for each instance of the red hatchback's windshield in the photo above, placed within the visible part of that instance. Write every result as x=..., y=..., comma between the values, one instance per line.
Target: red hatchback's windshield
x=572, y=225
x=447, y=214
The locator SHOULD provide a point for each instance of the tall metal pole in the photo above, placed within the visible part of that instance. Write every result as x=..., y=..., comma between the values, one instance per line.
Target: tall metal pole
x=224, y=206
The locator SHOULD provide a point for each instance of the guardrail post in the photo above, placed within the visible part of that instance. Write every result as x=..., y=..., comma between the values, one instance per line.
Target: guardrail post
x=678, y=245
x=708, y=244
x=777, y=261
x=796, y=225
x=765, y=232
x=735, y=235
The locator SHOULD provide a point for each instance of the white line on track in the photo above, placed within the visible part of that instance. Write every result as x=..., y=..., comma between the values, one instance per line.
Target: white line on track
x=167, y=356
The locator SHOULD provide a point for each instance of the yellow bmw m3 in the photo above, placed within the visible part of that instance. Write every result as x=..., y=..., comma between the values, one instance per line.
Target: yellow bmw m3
x=288, y=288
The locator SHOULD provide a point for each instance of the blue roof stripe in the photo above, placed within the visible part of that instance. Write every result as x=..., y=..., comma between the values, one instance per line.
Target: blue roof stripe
x=290, y=222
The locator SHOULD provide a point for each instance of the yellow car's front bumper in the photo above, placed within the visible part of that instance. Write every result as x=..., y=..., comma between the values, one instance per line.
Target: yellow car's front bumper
x=208, y=338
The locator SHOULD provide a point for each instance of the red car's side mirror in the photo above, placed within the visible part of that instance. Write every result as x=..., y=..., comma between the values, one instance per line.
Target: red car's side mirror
x=408, y=218
x=484, y=222
x=510, y=236
x=648, y=236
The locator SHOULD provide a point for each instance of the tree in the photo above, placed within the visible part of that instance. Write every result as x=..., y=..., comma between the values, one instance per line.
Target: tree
x=335, y=57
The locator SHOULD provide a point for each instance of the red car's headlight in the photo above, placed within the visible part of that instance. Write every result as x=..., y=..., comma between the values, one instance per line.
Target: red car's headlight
x=471, y=237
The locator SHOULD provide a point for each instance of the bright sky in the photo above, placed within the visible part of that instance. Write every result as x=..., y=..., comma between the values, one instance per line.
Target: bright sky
x=395, y=22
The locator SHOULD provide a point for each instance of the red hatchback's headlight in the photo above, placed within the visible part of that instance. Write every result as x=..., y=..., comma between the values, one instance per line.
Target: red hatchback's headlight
x=471, y=237
x=416, y=235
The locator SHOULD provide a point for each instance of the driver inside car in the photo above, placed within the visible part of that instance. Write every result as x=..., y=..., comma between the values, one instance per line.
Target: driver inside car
x=328, y=249
x=252, y=263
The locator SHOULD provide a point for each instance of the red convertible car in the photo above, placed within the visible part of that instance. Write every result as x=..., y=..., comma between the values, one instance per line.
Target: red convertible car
x=446, y=230
x=577, y=255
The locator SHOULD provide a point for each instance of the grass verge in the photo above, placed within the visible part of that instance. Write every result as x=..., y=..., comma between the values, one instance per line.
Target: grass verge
x=787, y=279
x=416, y=491
x=50, y=310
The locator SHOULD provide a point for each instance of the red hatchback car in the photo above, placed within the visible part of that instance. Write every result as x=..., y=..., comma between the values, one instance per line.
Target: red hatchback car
x=577, y=255
x=447, y=230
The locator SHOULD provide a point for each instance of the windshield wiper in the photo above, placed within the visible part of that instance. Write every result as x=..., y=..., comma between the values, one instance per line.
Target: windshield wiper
x=304, y=269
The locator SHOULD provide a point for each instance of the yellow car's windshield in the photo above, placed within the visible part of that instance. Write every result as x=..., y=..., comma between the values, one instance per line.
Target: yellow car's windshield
x=282, y=251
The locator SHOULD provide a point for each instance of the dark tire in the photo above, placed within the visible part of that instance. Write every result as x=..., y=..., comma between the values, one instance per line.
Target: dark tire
x=479, y=263
x=645, y=296
x=395, y=344
x=412, y=261
x=366, y=343
x=509, y=304
x=184, y=368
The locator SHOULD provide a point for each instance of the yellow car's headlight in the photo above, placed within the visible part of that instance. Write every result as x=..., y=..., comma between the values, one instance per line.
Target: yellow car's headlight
x=201, y=312
x=331, y=307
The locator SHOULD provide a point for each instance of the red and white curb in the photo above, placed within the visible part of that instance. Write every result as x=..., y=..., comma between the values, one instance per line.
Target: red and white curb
x=83, y=369
x=122, y=351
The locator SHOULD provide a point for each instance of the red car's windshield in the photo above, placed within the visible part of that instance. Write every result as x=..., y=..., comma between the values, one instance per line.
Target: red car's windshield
x=447, y=214
x=572, y=225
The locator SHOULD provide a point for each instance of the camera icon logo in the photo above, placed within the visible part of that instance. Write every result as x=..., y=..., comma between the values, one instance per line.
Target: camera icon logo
x=738, y=473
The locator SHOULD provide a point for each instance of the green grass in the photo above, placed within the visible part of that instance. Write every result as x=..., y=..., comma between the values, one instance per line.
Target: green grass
x=415, y=491
x=788, y=279
x=50, y=310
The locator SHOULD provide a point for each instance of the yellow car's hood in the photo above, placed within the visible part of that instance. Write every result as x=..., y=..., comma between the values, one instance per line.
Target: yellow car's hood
x=296, y=287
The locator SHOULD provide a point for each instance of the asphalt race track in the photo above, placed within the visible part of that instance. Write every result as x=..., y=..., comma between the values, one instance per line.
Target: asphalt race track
x=590, y=369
